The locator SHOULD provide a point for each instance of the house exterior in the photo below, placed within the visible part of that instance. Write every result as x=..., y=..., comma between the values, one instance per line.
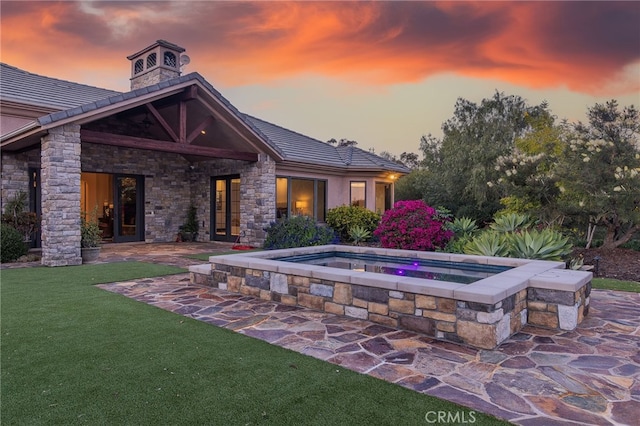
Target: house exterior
x=141, y=158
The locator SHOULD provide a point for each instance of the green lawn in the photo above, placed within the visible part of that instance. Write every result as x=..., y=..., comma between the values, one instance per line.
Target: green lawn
x=611, y=284
x=75, y=354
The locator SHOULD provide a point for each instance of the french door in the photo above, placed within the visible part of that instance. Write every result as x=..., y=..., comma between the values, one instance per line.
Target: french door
x=128, y=212
x=225, y=208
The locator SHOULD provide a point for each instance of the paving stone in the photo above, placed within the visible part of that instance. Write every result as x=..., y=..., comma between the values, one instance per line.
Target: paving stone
x=507, y=399
x=377, y=346
x=537, y=377
x=555, y=407
x=625, y=413
x=359, y=361
x=518, y=362
x=400, y=358
x=419, y=383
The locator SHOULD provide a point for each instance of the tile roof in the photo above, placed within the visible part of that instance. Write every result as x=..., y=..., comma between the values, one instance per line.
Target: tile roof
x=300, y=148
x=72, y=99
x=24, y=87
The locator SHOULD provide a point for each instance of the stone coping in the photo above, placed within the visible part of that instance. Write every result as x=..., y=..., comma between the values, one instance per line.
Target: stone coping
x=525, y=273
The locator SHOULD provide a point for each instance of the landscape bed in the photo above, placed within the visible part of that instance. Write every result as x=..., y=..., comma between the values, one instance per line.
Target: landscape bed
x=482, y=314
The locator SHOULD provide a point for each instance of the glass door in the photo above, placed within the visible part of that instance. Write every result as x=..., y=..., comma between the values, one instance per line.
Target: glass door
x=128, y=209
x=225, y=208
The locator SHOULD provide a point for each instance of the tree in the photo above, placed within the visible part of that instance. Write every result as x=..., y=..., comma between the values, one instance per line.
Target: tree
x=407, y=159
x=588, y=172
x=599, y=171
x=463, y=161
x=529, y=180
x=342, y=142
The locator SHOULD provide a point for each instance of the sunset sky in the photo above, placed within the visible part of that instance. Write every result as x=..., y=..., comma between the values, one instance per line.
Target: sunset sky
x=380, y=73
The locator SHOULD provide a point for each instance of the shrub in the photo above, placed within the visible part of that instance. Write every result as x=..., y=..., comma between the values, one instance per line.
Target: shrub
x=511, y=222
x=358, y=234
x=297, y=231
x=488, y=243
x=343, y=218
x=546, y=244
x=413, y=225
x=12, y=244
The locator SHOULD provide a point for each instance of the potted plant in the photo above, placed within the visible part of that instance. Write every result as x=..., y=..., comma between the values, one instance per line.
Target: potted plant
x=91, y=236
x=189, y=230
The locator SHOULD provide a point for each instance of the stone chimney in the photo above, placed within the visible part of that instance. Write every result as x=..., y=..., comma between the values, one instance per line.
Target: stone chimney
x=155, y=63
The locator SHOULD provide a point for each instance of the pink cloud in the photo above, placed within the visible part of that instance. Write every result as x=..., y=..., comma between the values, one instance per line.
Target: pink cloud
x=584, y=46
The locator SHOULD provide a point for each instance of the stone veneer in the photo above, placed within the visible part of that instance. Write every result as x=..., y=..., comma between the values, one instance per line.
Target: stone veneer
x=171, y=183
x=15, y=172
x=476, y=321
x=60, y=186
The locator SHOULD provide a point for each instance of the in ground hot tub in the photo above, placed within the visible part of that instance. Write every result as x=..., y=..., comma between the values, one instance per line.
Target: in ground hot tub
x=502, y=295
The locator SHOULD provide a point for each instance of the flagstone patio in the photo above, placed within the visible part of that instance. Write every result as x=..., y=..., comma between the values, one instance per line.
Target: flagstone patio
x=589, y=376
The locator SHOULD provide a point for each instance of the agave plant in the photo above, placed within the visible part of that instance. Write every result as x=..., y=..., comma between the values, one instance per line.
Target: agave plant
x=511, y=222
x=546, y=244
x=463, y=226
x=359, y=234
x=488, y=243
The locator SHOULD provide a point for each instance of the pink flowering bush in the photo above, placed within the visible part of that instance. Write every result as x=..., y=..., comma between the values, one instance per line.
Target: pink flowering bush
x=413, y=225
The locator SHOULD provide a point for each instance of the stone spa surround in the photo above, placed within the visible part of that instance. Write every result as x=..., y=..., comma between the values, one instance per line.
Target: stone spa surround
x=482, y=314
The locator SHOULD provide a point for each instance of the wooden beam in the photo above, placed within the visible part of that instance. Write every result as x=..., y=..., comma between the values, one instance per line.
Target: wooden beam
x=182, y=120
x=190, y=93
x=200, y=127
x=164, y=146
x=162, y=121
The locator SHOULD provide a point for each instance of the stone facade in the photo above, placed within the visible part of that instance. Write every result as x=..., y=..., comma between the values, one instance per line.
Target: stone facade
x=475, y=324
x=556, y=309
x=166, y=196
x=60, y=177
x=15, y=172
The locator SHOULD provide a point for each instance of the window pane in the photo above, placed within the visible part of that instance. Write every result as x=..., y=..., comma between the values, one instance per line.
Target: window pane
x=282, y=211
x=221, y=207
x=302, y=197
x=357, y=193
x=235, y=206
x=321, y=201
x=383, y=197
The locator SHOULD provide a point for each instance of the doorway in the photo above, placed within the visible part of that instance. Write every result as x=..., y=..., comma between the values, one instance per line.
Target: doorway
x=225, y=208
x=118, y=202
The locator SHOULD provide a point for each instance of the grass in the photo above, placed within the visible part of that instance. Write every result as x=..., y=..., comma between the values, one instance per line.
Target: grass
x=75, y=354
x=612, y=284
x=205, y=256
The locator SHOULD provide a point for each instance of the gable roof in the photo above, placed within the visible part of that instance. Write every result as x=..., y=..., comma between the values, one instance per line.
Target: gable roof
x=74, y=99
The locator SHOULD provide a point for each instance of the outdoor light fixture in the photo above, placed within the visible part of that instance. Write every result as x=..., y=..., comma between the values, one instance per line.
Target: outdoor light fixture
x=146, y=122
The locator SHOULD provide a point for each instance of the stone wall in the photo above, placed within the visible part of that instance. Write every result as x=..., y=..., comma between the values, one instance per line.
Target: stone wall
x=15, y=172
x=257, y=194
x=167, y=184
x=475, y=324
x=556, y=309
x=60, y=186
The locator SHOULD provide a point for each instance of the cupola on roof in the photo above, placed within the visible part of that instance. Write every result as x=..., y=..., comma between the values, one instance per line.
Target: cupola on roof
x=154, y=64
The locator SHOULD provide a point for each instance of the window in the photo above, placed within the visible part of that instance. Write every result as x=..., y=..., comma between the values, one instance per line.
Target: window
x=358, y=191
x=151, y=60
x=170, y=59
x=138, y=67
x=306, y=197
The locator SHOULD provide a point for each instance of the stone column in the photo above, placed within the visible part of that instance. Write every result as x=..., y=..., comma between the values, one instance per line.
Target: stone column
x=257, y=199
x=60, y=184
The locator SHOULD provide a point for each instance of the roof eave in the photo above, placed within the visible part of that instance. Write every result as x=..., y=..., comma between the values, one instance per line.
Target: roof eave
x=23, y=132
